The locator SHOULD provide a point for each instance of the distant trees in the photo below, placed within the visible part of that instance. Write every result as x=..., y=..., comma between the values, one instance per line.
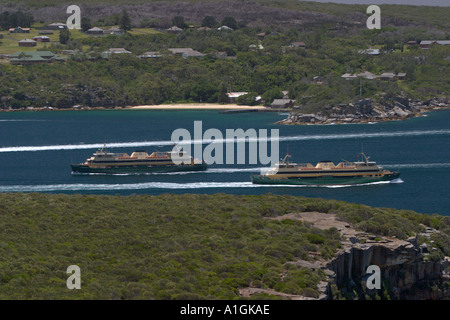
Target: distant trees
x=64, y=36
x=209, y=21
x=222, y=97
x=85, y=24
x=271, y=95
x=179, y=22
x=16, y=19
x=229, y=22
x=125, y=21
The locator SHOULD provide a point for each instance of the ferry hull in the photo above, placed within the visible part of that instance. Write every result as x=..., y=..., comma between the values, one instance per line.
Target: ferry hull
x=81, y=168
x=322, y=180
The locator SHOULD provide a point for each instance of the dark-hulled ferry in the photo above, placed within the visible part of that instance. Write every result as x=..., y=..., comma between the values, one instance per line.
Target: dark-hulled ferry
x=325, y=173
x=140, y=161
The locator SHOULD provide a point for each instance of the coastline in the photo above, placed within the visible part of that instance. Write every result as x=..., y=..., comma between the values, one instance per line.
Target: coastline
x=297, y=118
x=294, y=118
x=196, y=106
x=174, y=106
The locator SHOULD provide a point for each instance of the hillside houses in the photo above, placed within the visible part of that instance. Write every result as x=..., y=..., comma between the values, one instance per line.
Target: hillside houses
x=298, y=44
x=150, y=54
x=186, y=52
x=232, y=96
x=19, y=30
x=427, y=44
x=56, y=26
x=370, y=76
x=34, y=57
x=107, y=53
x=372, y=52
x=95, y=31
x=174, y=30
x=41, y=38
x=27, y=43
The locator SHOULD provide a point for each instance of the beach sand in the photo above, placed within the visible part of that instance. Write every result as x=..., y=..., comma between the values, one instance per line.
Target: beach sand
x=197, y=106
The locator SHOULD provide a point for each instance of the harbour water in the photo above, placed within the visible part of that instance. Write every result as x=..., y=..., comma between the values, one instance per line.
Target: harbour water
x=37, y=148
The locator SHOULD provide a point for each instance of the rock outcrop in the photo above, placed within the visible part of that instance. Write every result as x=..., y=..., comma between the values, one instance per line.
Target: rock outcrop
x=365, y=111
x=407, y=272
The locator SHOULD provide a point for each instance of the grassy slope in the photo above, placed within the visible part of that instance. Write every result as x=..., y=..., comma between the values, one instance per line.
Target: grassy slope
x=172, y=246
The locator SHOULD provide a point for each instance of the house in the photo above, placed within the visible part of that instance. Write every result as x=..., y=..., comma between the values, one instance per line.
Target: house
x=27, y=43
x=298, y=44
x=401, y=76
x=219, y=54
x=255, y=47
x=56, y=26
x=19, y=30
x=69, y=52
x=34, y=57
x=106, y=54
x=95, y=31
x=367, y=75
x=317, y=80
x=426, y=44
x=411, y=43
x=225, y=28
x=186, y=52
x=114, y=31
x=203, y=29
x=150, y=54
x=261, y=35
x=387, y=76
x=232, y=96
x=174, y=30
x=348, y=76
x=372, y=52
x=41, y=38
x=282, y=103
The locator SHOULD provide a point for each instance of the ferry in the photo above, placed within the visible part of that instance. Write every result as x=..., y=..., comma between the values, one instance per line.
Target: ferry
x=139, y=161
x=325, y=173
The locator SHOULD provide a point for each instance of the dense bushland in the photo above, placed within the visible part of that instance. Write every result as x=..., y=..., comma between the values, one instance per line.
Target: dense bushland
x=174, y=246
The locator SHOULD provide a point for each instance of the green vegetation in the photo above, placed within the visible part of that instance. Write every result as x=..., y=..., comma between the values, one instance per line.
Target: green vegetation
x=127, y=80
x=175, y=246
x=333, y=35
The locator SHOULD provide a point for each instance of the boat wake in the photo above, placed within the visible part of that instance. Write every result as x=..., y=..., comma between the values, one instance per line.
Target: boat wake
x=170, y=143
x=161, y=185
x=417, y=165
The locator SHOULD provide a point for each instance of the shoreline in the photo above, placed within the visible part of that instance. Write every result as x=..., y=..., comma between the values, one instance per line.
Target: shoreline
x=174, y=106
x=196, y=106
x=319, y=119
x=234, y=108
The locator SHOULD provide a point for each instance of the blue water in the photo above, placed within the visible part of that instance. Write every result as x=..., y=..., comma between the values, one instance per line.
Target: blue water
x=36, y=149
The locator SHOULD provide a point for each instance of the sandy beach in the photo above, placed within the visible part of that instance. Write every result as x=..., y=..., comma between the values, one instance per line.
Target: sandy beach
x=198, y=106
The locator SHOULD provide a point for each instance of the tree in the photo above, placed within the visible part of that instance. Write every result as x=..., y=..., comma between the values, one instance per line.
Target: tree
x=64, y=36
x=125, y=21
x=179, y=22
x=229, y=22
x=85, y=24
x=248, y=99
x=209, y=21
x=271, y=95
x=222, y=97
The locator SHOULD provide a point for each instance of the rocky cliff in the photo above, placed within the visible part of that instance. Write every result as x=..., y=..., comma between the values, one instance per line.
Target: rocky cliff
x=365, y=111
x=408, y=268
